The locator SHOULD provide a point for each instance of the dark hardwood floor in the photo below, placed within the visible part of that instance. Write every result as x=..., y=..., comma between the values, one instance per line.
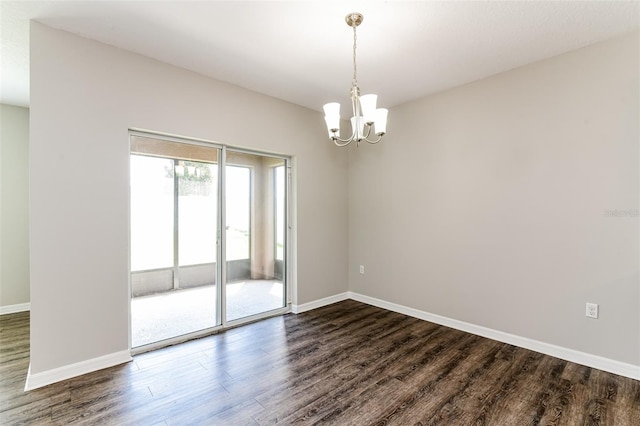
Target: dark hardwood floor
x=344, y=364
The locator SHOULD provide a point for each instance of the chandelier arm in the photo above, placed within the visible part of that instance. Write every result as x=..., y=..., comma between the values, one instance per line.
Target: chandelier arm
x=336, y=139
x=367, y=132
x=373, y=142
x=347, y=142
x=342, y=142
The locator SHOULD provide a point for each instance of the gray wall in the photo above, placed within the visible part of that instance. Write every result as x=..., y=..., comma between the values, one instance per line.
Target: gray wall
x=84, y=98
x=490, y=203
x=14, y=206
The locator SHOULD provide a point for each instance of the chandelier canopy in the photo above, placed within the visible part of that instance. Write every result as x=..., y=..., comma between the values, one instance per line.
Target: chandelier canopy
x=367, y=123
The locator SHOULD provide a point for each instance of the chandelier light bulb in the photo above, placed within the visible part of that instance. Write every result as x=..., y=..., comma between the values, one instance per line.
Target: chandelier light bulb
x=368, y=105
x=381, y=121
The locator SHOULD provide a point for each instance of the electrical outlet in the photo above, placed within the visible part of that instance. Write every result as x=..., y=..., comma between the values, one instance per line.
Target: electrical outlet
x=362, y=269
x=592, y=310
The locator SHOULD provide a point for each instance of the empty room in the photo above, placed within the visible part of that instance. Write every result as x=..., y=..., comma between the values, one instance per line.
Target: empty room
x=306, y=212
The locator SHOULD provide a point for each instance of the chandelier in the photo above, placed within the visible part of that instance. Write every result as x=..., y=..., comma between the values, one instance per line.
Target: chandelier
x=367, y=123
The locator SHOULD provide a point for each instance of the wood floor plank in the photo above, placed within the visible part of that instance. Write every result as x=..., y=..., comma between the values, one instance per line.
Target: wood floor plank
x=484, y=370
x=344, y=364
x=359, y=358
x=373, y=372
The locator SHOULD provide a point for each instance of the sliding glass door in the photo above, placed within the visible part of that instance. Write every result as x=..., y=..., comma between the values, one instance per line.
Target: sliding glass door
x=186, y=275
x=255, y=223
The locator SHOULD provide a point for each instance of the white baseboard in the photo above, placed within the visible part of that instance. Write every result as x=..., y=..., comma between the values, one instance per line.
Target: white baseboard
x=632, y=371
x=589, y=360
x=12, y=309
x=298, y=309
x=38, y=380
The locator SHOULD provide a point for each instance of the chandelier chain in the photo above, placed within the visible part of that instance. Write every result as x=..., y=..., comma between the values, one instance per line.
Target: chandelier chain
x=355, y=77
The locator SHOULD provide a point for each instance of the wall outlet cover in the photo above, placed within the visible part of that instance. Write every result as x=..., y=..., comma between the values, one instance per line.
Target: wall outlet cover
x=592, y=310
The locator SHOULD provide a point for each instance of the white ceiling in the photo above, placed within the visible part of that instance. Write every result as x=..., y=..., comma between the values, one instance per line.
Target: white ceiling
x=300, y=51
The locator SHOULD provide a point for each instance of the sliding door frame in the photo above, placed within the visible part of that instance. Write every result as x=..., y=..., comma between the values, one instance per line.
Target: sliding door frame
x=221, y=269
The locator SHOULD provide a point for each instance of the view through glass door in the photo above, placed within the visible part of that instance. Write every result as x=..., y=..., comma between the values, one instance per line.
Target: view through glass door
x=255, y=224
x=176, y=214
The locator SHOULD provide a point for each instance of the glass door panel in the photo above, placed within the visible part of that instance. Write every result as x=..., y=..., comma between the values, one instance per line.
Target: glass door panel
x=174, y=232
x=255, y=223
